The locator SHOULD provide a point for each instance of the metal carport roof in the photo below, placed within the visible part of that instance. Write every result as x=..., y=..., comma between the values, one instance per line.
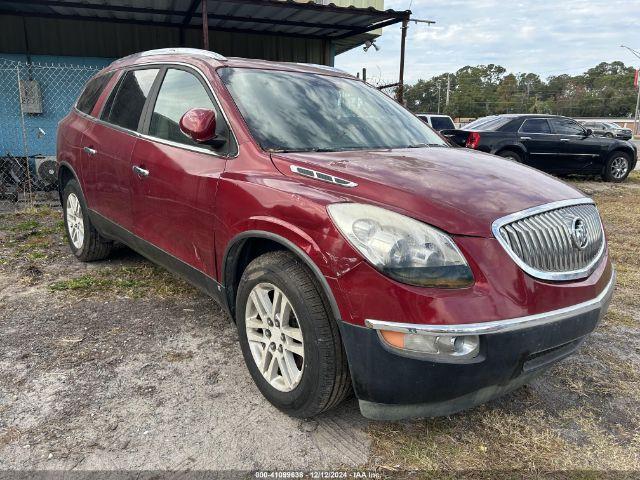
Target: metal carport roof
x=345, y=27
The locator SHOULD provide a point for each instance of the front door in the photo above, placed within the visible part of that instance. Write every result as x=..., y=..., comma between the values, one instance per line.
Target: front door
x=541, y=144
x=174, y=189
x=578, y=151
x=108, y=146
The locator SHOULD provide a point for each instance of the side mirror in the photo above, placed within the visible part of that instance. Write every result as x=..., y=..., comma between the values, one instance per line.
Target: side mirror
x=200, y=125
x=589, y=132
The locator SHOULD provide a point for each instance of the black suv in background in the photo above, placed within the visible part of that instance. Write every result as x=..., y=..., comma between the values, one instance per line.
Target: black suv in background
x=551, y=143
x=608, y=129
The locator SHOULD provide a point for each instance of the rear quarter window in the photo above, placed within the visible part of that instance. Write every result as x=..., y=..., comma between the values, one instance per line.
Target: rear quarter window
x=91, y=92
x=125, y=104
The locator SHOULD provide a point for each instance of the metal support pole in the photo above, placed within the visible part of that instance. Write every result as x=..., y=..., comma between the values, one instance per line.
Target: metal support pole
x=205, y=26
x=403, y=41
x=636, y=117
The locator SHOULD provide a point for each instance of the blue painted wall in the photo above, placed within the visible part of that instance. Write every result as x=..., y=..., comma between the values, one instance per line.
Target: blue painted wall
x=61, y=78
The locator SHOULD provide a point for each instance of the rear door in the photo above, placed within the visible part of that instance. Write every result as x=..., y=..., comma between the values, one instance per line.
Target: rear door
x=173, y=202
x=109, y=144
x=578, y=151
x=541, y=143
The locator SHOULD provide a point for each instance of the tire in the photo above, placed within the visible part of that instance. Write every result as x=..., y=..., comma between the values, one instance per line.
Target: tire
x=617, y=168
x=608, y=135
x=511, y=155
x=85, y=241
x=320, y=379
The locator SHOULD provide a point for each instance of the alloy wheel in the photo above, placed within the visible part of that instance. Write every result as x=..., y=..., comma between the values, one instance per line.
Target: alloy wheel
x=75, y=223
x=275, y=337
x=619, y=167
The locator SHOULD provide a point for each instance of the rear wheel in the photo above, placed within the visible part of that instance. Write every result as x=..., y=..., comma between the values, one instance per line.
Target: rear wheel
x=85, y=241
x=289, y=340
x=617, y=167
x=511, y=155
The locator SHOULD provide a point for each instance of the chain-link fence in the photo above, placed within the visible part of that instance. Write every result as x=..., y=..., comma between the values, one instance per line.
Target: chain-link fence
x=34, y=98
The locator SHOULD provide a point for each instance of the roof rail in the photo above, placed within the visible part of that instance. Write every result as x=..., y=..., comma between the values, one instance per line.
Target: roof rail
x=175, y=51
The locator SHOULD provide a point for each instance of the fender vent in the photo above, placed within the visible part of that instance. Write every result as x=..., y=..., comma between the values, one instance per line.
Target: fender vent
x=307, y=172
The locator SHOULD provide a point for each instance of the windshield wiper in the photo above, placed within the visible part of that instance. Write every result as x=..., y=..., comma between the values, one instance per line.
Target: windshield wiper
x=423, y=145
x=301, y=150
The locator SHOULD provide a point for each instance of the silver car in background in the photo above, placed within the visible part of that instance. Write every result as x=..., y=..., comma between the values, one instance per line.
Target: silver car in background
x=608, y=129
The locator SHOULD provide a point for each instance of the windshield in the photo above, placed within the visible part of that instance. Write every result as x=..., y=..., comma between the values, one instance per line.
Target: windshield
x=477, y=122
x=613, y=125
x=491, y=124
x=288, y=111
x=442, y=123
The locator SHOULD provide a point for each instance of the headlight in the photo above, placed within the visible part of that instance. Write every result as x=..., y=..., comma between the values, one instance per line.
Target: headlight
x=402, y=248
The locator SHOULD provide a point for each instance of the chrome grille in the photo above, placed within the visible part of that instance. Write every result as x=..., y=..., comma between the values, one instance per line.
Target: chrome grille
x=543, y=243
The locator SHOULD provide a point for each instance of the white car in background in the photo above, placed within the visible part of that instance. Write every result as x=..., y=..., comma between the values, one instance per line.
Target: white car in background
x=437, y=122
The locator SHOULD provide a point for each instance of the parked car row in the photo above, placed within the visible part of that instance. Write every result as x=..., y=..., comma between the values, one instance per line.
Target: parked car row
x=553, y=144
x=352, y=246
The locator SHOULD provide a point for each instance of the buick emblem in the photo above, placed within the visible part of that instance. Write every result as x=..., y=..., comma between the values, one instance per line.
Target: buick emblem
x=579, y=235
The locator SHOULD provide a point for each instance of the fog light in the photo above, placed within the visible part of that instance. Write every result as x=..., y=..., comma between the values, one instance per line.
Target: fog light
x=442, y=346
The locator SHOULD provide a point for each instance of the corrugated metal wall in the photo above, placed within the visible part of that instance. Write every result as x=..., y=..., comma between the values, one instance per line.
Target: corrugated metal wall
x=112, y=40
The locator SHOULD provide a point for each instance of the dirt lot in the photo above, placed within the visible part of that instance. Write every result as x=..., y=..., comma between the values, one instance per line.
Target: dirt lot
x=118, y=366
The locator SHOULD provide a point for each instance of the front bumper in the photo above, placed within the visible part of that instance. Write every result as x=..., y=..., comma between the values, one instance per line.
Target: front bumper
x=391, y=386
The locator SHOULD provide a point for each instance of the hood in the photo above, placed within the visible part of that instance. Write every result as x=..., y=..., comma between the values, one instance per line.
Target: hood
x=455, y=189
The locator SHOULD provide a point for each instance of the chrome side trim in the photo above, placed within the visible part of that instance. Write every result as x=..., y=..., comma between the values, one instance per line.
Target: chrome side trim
x=501, y=326
x=325, y=177
x=534, y=272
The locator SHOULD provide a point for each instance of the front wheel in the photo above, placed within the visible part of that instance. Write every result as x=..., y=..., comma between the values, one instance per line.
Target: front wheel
x=617, y=167
x=289, y=339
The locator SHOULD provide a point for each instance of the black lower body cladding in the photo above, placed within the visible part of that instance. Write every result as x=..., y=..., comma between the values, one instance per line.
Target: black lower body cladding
x=392, y=387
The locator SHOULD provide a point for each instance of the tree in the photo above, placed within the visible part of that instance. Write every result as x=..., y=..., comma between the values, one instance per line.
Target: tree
x=602, y=91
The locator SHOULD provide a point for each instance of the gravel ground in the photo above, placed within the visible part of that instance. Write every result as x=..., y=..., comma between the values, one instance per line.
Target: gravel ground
x=125, y=368
x=117, y=365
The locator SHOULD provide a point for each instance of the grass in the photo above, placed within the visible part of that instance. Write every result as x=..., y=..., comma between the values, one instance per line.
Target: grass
x=581, y=419
x=127, y=281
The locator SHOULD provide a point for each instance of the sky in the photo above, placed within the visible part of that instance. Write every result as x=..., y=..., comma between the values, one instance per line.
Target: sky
x=547, y=37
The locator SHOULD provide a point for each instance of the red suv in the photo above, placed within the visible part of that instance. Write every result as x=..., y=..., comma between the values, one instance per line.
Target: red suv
x=352, y=247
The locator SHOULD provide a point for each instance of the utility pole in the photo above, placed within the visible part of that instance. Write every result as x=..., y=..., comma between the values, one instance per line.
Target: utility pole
x=636, y=117
x=403, y=41
x=438, y=83
x=205, y=26
x=448, y=89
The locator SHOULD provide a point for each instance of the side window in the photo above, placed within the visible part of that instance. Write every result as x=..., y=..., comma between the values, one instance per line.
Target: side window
x=565, y=126
x=535, y=125
x=180, y=91
x=127, y=100
x=91, y=92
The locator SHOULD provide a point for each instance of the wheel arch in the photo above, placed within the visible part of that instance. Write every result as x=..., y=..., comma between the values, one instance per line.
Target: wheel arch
x=519, y=149
x=248, y=245
x=621, y=148
x=66, y=173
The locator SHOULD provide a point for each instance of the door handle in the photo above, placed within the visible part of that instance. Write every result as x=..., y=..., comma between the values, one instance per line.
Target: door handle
x=564, y=139
x=90, y=151
x=141, y=172
x=525, y=138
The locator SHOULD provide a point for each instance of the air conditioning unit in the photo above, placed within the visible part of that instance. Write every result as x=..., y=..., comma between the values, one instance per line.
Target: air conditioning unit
x=30, y=96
